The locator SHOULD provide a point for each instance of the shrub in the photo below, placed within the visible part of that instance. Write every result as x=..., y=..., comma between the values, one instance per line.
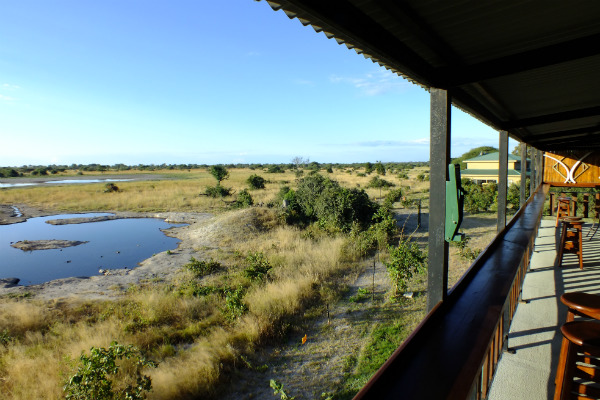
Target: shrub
x=234, y=303
x=217, y=191
x=96, y=376
x=513, y=195
x=258, y=266
x=405, y=260
x=379, y=168
x=402, y=175
x=479, y=197
x=202, y=268
x=244, y=199
x=392, y=197
x=423, y=177
x=275, y=169
x=377, y=182
x=256, y=182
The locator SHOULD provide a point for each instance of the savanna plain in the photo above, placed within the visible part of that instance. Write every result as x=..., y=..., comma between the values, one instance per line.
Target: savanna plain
x=272, y=293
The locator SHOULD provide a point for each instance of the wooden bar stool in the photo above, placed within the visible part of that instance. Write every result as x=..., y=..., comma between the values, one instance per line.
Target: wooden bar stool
x=563, y=208
x=571, y=239
x=581, y=346
x=582, y=304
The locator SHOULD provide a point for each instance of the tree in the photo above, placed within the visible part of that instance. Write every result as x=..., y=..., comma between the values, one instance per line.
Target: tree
x=368, y=168
x=219, y=172
x=298, y=161
x=379, y=168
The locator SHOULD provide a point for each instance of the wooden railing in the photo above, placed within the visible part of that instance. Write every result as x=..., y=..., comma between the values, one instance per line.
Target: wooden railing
x=454, y=352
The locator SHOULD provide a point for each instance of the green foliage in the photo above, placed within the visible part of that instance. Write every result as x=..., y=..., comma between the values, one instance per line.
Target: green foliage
x=5, y=338
x=402, y=175
x=465, y=251
x=361, y=295
x=379, y=168
x=334, y=208
x=479, y=197
x=278, y=389
x=256, y=182
x=40, y=171
x=244, y=199
x=405, y=260
x=377, y=182
x=392, y=197
x=219, y=172
x=423, y=177
x=217, y=191
x=234, y=303
x=513, y=194
x=368, y=168
x=258, y=266
x=96, y=376
x=8, y=173
x=275, y=169
x=202, y=268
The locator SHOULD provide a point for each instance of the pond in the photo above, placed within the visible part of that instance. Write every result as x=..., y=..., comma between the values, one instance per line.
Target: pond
x=60, y=182
x=113, y=244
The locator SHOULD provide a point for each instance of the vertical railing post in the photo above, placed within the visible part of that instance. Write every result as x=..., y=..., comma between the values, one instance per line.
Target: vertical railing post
x=502, y=179
x=540, y=168
x=523, y=192
x=533, y=175
x=438, y=162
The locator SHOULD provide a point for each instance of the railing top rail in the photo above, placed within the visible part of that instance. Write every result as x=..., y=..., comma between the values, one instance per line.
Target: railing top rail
x=443, y=356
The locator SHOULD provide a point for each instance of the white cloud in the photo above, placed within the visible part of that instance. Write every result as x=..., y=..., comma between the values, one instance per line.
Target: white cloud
x=372, y=84
x=6, y=98
x=8, y=86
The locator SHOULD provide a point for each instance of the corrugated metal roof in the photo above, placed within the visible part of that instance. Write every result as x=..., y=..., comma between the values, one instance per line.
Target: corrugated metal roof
x=493, y=157
x=466, y=173
x=530, y=68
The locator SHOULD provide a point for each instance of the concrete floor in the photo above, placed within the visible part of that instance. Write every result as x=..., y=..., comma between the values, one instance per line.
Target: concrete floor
x=528, y=374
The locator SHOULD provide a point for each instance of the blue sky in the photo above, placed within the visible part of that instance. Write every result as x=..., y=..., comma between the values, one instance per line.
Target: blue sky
x=139, y=81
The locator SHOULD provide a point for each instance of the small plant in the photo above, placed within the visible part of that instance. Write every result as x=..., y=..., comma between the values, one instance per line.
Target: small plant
x=405, y=260
x=256, y=182
x=96, y=376
x=5, y=338
x=234, y=303
x=377, y=182
x=244, y=199
x=258, y=266
x=219, y=172
x=217, y=191
x=202, y=268
x=360, y=295
x=278, y=389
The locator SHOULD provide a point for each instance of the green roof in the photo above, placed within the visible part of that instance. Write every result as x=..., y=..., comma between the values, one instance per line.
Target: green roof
x=493, y=172
x=493, y=157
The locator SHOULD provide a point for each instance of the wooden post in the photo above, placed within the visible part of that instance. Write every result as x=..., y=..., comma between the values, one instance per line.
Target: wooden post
x=523, y=192
x=552, y=205
x=532, y=177
x=586, y=204
x=439, y=159
x=502, y=179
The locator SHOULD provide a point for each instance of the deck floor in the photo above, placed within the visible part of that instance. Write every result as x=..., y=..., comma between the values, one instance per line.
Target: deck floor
x=535, y=330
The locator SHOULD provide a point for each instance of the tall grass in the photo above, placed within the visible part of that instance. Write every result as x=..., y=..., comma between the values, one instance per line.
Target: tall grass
x=195, y=344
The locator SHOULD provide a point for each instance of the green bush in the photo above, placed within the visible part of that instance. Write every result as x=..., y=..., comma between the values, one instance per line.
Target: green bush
x=202, y=268
x=405, y=260
x=377, y=182
x=479, y=197
x=275, y=169
x=234, y=303
x=244, y=199
x=217, y=191
x=256, y=182
x=513, y=194
x=258, y=266
x=111, y=188
x=219, y=172
x=392, y=197
x=334, y=208
x=96, y=377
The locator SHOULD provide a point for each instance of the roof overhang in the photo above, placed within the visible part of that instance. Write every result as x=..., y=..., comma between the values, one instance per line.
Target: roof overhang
x=529, y=68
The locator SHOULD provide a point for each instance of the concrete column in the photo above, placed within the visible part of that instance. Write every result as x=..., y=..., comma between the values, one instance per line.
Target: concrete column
x=438, y=162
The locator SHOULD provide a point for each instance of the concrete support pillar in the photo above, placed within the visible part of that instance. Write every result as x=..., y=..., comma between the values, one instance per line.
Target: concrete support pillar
x=523, y=192
x=438, y=162
x=502, y=179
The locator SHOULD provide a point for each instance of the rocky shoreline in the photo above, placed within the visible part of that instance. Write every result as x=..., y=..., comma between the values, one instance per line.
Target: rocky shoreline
x=30, y=245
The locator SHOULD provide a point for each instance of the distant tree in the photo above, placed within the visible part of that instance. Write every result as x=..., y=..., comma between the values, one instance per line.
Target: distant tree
x=368, y=167
x=379, y=168
x=256, y=182
x=219, y=172
x=478, y=151
x=299, y=161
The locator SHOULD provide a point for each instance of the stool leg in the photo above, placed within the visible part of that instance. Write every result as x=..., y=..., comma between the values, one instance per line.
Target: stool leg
x=563, y=238
x=580, y=252
x=569, y=372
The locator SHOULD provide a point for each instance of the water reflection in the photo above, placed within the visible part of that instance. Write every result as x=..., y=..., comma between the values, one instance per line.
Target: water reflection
x=61, y=182
x=120, y=243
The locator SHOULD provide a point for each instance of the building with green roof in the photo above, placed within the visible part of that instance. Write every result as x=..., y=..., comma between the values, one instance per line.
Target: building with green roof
x=484, y=168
